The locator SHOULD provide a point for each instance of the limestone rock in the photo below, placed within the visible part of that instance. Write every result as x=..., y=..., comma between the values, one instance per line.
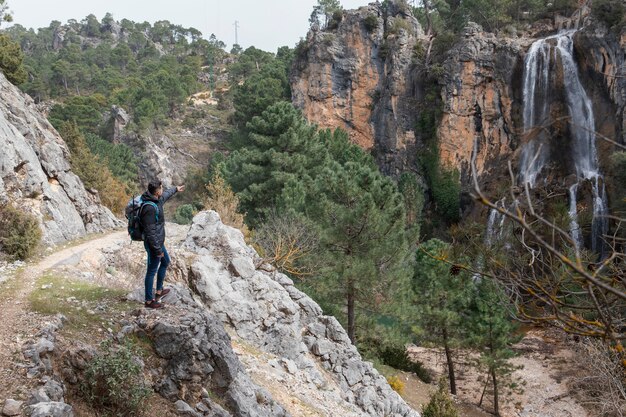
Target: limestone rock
x=11, y=407
x=265, y=311
x=198, y=353
x=360, y=79
x=50, y=409
x=35, y=172
x=478, y=95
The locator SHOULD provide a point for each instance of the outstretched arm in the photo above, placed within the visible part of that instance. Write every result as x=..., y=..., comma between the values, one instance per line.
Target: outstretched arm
x=167, y=194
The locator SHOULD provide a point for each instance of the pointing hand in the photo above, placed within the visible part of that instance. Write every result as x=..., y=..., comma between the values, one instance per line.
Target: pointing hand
x=180, y=188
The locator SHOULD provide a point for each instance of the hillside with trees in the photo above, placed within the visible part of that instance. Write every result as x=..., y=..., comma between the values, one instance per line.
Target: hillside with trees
x=425, y=233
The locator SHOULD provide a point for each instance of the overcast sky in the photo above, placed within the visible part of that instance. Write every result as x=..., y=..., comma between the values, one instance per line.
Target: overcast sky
x=266, y=24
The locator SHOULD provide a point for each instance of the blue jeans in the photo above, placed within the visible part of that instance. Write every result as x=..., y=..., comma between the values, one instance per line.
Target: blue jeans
x=158, y=266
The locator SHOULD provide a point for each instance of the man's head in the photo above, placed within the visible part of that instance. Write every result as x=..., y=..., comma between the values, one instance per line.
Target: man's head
x=155, y=187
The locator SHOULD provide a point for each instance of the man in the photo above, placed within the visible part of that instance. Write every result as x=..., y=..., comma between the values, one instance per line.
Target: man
x=153, y=223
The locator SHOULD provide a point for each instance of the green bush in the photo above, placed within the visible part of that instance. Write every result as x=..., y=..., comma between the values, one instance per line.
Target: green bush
x=610, y=12
x=11, y=60
x=397, y=357
x=370, y=22
x=440, y=404
x=114, y=382
x=19, y=232
x=184, y=214
x=400, y=24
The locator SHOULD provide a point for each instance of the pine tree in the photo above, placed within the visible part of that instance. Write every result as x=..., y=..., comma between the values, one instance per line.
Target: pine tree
x=280, y=147
x=361, y=216
x=493, y=333
x=440, y=404
x=11, y=60
x=441, y=300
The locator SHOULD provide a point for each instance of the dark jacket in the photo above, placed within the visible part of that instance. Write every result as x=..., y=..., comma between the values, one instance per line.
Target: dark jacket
x=153, y=228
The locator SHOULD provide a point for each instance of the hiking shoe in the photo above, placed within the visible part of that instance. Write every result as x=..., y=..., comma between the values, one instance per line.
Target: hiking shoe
x=153, y=304
x=163, y=293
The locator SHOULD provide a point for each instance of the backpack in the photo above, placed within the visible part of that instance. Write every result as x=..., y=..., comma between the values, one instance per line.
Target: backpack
x=133, y=214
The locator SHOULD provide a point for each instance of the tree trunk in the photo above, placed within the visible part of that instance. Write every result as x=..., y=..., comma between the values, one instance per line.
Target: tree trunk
x=351, y=315
x=480, y=403
x=446, y=345
x=495, y=393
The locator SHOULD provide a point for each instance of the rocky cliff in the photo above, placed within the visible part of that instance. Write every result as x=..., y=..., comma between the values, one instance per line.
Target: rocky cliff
x=359, y=77
x=363, y=78
x=236, y=338
x=35, y=172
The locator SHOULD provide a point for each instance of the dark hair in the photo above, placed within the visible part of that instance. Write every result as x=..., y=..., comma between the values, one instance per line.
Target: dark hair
x=154, y=185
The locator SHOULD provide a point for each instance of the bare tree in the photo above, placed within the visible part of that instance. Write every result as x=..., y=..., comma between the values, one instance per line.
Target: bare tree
x=550, y=280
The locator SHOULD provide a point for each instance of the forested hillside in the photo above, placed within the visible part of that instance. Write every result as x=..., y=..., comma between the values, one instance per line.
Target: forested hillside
x=405, y=164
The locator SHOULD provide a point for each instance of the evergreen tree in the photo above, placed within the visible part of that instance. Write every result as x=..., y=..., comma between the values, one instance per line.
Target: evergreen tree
x=493, y=333
x=440, y=404
x=11, y=60
x=259, y=91
x=324, y=12
x=92, y=171
x=360, y=216
x=442, y=296
x=280, y=146
x=5, y=15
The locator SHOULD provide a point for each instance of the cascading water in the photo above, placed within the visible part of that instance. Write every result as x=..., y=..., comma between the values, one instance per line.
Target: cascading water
x=536, y=83
x=495, y=223
x=574, y=228
x=541, y=56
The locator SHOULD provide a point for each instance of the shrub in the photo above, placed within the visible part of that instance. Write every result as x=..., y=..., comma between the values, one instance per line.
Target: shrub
x=11, y=60
x=611, y=12
x=370, y=22
x=399, y=25
x=397, y=357
x=223, y=200
x=336, y=19
x=19, y=232
x=396, y=384
x=184, y=214
x=440, y=404
x=114, y=380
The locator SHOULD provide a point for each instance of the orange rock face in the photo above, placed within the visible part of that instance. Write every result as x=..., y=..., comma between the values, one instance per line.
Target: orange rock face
x=316, y=89
x=357, y=78
x=476, y=125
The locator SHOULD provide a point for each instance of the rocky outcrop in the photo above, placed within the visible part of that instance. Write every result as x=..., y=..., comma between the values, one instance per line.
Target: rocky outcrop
x=243, y=332
x=602, y=60
x=358, y=77
x=478, y=95
x=266, y=311
x=35, y=172
x=363, y=76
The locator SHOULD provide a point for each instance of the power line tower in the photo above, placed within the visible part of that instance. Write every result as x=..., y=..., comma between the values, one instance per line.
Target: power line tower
x=236, y=25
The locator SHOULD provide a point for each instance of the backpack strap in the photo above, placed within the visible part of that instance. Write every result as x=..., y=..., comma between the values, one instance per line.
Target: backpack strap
x=153, y=204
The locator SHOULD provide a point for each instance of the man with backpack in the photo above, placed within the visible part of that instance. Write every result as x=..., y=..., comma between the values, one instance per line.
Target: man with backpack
x=152, y=222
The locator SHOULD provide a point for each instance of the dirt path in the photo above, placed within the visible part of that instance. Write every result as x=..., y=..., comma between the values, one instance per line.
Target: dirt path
x=18, y=324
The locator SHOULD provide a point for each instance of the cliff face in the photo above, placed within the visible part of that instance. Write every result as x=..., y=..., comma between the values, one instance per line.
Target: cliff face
x=478, y=96
x=359, y=77
x=35, y=172
x=364, y=78
x=601, y=57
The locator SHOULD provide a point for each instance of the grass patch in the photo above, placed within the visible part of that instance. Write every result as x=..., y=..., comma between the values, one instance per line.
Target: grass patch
x=12, y=283
x=84, y=304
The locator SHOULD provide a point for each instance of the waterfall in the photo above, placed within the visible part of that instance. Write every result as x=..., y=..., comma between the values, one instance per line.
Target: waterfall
x=582, y=123
x=600, y=223
x=574, y=229
x=536, y=89
x=535, y=110
x=495, y=223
